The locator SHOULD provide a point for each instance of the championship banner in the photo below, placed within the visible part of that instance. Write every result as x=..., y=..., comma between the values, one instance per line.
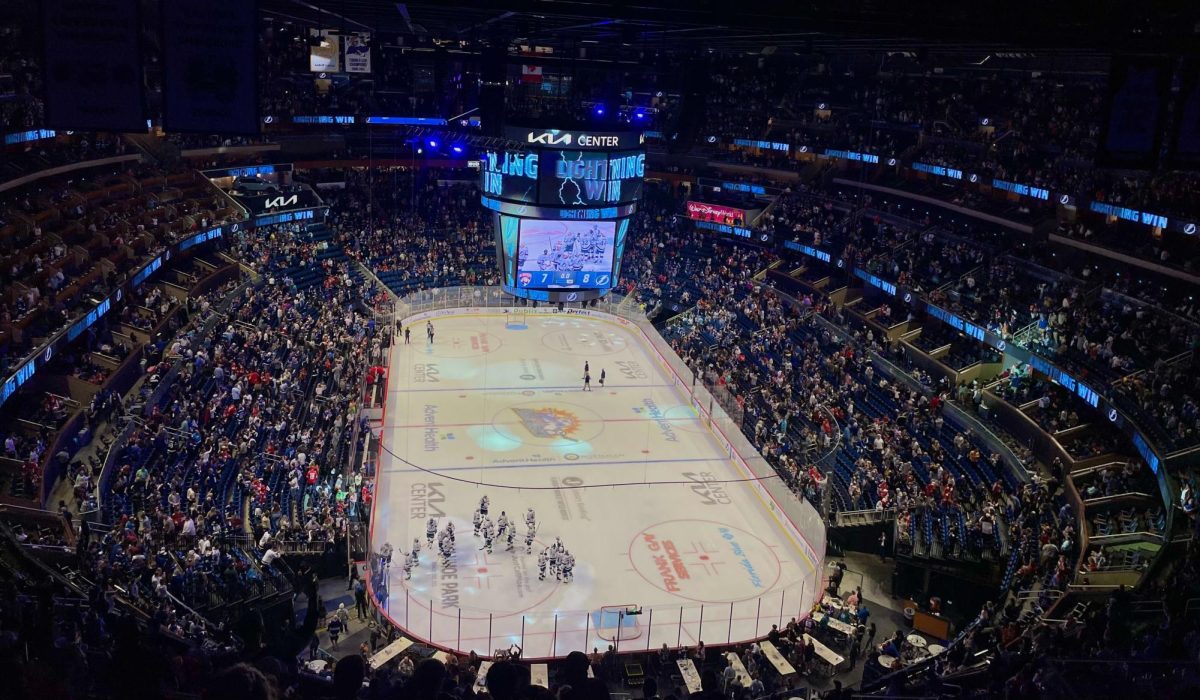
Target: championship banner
x=531, y=74
x=326, y=56
x=210, y=53
x=358, y=53
x=717, y=213
x=93, y=65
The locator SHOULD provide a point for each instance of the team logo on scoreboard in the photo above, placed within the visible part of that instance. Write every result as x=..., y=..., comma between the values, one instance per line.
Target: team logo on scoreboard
x=525, y=278
x=548, y=422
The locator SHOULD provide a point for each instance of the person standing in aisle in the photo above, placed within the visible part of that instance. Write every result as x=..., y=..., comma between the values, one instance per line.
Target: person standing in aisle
x=407, y=333
x=602, y=375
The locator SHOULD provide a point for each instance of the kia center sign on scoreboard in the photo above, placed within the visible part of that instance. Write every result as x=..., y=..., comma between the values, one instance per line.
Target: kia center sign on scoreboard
x=562, y=201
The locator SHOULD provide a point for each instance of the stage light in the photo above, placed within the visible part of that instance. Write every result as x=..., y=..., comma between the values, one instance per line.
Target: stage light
x=640, y=115
x=457, y=149
x=420, y=151
x=433, y=143
x=600, y=110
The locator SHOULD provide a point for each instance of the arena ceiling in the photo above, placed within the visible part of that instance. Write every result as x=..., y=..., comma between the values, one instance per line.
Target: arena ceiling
x=754, y=26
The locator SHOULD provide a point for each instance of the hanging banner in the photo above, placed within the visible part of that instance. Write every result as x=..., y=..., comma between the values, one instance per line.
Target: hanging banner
x=93, y=65
x=358, y=53
x=210, y=51
x=531, y=74
x=325, y=56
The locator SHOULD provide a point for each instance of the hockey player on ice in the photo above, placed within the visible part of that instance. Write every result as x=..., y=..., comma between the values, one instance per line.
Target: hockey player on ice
x=568, y=567
x=483, y=505
x=501, y=524
x=431, y=529
x=530, y=519
x=543, y=560
x=476, y=519
x=487, y=530
x=529, y=535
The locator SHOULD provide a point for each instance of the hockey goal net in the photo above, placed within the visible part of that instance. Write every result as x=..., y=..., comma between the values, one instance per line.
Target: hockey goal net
x=514, y=319
x=618, y=622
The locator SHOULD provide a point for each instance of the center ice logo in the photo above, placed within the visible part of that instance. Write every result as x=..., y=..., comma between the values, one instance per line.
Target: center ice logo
x=548, y=422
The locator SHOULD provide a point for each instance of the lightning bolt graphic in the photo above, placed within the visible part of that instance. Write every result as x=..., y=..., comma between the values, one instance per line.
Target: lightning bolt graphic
x=565, y=180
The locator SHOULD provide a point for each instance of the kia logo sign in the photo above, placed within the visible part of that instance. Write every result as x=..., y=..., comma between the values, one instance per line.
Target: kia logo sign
x=549, y=138
x=281, y=201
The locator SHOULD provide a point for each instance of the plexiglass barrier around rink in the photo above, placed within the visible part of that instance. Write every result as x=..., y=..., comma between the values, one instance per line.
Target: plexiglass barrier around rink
x=556, y=633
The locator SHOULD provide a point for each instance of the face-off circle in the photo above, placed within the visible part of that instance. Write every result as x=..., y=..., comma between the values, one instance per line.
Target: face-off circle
x=704, y=561
x=548, y=422
x=585, y=342
x=461, y=342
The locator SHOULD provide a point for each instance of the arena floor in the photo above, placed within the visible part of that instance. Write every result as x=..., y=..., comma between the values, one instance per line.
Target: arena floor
x=502, y=405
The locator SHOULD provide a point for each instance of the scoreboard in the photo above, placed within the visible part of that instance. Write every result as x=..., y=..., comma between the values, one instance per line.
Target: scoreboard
x=564, y=178
x=562, y=202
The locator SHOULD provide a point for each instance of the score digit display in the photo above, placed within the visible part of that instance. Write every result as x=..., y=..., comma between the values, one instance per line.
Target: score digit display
x=565, y=254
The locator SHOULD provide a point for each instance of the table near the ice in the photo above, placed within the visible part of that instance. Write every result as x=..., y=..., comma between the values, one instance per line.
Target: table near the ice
x=833, y=623
x=823, y=652
x=390, y=652
x=689, y=674
x=781, y=664
x=741, y=675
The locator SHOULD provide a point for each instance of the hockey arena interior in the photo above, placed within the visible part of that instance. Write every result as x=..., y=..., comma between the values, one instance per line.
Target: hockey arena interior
x=530, y=349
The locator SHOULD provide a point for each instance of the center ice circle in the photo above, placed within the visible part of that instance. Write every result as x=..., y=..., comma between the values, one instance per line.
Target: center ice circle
x=704, y=561
x=548, y=422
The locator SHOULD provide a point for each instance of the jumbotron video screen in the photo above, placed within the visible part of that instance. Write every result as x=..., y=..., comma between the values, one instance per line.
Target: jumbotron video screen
x=565, y=254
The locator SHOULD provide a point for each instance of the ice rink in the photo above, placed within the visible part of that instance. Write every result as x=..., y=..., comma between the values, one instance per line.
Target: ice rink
x=498, y=408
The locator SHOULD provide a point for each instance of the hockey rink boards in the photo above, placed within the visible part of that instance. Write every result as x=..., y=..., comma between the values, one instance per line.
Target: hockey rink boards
x=499, y=409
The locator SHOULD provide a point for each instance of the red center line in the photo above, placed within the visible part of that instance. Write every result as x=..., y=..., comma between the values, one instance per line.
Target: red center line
x=692, y=419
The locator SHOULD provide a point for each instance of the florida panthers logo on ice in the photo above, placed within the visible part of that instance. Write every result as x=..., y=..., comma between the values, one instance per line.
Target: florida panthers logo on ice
x=548, y=422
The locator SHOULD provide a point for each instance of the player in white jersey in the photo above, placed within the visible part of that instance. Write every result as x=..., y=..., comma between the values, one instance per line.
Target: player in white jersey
x=529, y=535
x=415, y=550
x=501, y=524
x=431, y=529
x=483, y=505
x=408, y=566
x=530, y=518
x=543, y=561
x=568, y=567
x=476, y=519
x=487, y=531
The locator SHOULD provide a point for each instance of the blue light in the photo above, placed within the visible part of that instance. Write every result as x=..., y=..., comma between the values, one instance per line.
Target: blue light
x=640, y=115
x=457, y=149
x=600, y=110
x=433, y=143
